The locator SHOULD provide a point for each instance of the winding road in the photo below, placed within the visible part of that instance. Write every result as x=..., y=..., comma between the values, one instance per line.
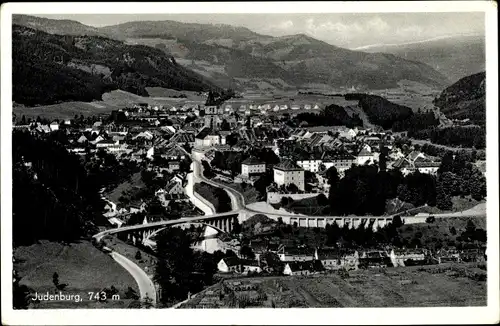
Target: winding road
x=146, y=286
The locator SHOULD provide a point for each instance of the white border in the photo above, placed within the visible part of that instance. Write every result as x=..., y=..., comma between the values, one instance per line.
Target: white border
x=359, y=316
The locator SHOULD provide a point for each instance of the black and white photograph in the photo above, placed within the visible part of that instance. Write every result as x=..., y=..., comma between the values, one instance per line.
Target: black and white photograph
x=214, y=159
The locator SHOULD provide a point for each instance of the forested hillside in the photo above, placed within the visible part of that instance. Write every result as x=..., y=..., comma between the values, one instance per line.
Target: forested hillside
x=51, y=68
x=465, y=99
x=53, y=197
x=381, y=111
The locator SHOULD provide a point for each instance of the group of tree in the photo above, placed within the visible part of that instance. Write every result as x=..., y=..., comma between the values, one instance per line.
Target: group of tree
x=362, y=191
x=181, y=270
x=440, y=151
x=331, y=115
x=471, y=137
x=465, y=99
x=55, y=198
x=215, y=195
x=365, y=190
x=207, y=170
x=217, y=98
x=415, y=122
x=380, y=111
x=458, y=177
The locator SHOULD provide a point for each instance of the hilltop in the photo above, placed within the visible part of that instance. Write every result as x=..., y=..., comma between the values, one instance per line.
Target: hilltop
x=50, y=68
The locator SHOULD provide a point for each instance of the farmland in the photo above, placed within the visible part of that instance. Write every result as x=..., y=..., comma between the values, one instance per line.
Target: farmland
x=427, y=286
x=110, y=101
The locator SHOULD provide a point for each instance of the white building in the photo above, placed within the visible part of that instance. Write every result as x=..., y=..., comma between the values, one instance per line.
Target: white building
x=365, y=156
x=310, y=165
x=207, y=138
x=252, y=166
x=54, y=126
x=287, y=173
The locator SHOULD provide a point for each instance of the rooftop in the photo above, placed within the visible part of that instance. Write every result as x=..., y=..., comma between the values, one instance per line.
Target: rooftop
x=252, y=161
x=287, y=165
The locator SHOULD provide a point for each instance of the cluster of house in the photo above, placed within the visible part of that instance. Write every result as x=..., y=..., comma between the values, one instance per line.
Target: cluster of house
x=145, y=133
x=306, y=261
x=321, y=148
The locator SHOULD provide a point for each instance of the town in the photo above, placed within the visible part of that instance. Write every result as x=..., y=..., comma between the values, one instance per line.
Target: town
x=223, y=161
x=242, y=177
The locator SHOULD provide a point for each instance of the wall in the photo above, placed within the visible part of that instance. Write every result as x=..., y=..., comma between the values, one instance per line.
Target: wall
x=274, y=197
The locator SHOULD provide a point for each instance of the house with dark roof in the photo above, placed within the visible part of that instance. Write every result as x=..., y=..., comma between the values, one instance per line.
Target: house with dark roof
x=287, y=172
x=252, y=166
x=335, y=259
x=374, y=258
x=183, y=137
x=417, y=161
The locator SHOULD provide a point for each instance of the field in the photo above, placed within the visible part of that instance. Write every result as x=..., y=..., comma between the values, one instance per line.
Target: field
x=440, y=231
x=79, y=265
x=110, y=101
x=115, y=194
x=429, y=286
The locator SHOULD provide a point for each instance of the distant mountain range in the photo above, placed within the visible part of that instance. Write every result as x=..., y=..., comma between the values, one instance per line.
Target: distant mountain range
x=50, y=68
x=236, y=57
x=465, y=99
x=454, y=56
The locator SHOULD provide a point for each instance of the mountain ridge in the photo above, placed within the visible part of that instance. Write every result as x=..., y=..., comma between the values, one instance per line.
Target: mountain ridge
x=239, y=58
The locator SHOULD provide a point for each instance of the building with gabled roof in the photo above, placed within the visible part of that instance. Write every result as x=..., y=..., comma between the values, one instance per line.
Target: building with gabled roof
x=207, y=137
x=303, y=268
x=252, y=166
x=365, y=156
x=287, y=172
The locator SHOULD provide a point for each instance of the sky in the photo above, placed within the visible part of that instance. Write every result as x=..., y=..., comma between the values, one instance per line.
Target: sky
x=350, y=30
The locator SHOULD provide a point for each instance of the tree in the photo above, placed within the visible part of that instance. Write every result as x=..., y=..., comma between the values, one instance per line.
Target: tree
x=443, y=199
x=332, y=176
x=175, y=264
x=446, y=163
x=322, y=200
x=138, y=255
x=20, y=294
x=55, y=279
x=155, y=207
x=136, y=218
x=396, y=221
x=247, y=252
x=383, y=158
x=286, y=201
x=236, y=225
x=225, y=125
x=131, y=294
